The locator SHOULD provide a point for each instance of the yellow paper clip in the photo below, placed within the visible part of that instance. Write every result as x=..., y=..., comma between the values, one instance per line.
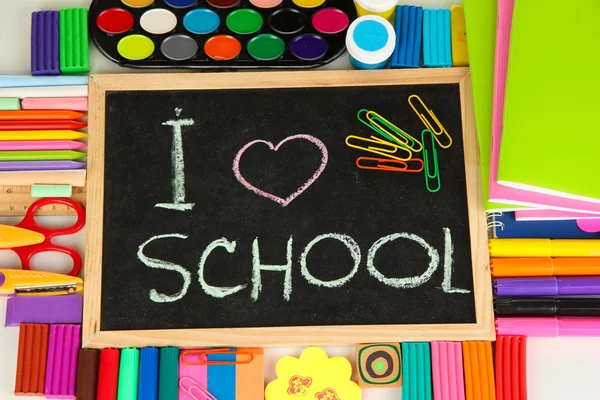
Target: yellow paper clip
x=389, y=152
x=383, y=164
x=436, y=170
x=396, y=134
x=440, y=128
x=195, y=387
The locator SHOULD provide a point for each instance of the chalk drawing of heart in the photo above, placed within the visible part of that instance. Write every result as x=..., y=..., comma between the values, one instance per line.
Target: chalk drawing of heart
x=284, y=202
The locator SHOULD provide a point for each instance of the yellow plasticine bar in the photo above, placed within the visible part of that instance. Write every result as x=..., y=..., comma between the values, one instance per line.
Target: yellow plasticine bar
x=459, y=37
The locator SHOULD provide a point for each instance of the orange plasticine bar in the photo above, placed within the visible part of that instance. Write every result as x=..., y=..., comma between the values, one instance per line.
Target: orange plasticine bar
x=479, y=371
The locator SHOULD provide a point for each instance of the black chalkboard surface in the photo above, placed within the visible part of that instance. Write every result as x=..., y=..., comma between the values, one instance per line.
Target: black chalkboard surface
x=243, y=207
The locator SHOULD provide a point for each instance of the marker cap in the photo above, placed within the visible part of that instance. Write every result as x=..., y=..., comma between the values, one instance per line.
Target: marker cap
x=541, y=327
x=545, y=286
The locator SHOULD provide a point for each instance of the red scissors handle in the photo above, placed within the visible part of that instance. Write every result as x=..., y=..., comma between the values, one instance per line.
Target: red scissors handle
x=25, y=253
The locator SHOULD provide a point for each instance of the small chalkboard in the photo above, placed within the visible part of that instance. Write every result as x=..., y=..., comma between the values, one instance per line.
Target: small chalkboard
x=227, y=209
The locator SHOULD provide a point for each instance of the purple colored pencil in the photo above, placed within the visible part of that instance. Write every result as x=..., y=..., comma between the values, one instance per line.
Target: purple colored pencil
x=61, y=369
x=44, y=43
x=547, y=286
x=40, y=165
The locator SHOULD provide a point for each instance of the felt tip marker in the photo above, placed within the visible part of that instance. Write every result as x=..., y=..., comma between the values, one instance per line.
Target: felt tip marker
x=547, y=286
x=36, y=115
x=545, y=266
x=41, y=125
x=544, y=247
x=547, y=327
x=546, y=307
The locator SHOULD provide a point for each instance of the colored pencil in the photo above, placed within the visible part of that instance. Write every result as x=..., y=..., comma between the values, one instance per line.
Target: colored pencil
x=41, y=135
x=74, y=177
x=37, y=115
x=20, y=81
x=41, y=125
x=40, y=155
x=40, y=165
x=55, y=103
x=12, y=145
x=45, y=91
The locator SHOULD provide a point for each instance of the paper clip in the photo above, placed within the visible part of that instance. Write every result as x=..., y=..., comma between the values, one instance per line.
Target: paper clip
x=382, y=151
x=383, y=164
x=203, y=357
x=195, y=386
x=389, y=130
x=436, y=170
x=441, y=130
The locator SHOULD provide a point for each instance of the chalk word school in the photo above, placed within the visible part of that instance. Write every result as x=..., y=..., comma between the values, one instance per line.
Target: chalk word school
x=255, y=286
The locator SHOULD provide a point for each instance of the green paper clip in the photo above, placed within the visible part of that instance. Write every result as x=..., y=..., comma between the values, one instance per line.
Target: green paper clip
x=388, y=130
x=416, y=364
x=429, y=177
x=74, y=46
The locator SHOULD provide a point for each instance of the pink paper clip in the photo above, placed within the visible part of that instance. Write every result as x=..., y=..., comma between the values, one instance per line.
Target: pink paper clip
x=195, y=386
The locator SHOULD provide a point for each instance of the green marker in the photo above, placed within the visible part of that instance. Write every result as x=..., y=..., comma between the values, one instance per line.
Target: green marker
x=168, y=379
x=41, y=155
x=128, y=374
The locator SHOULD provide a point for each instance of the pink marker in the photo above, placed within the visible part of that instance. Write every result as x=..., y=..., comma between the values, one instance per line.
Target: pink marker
x=18, y=145
x=548, y=327
x=55, y=103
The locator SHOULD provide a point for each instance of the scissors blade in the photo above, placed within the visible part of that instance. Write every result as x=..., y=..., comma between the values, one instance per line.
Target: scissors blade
x=12, y=236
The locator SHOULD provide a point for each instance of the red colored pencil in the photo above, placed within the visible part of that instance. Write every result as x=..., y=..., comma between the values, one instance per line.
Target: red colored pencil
x=41, y=125
x=108, y=374
x=37, y=115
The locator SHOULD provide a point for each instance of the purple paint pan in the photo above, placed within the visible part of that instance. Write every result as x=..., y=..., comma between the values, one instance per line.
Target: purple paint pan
x=309, y=47
x=44, y=43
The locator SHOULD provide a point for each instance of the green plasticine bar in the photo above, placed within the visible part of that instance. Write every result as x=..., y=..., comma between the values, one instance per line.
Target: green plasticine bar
x=168, y=383
x=39, y=190
x=128, y=374
x=41, y=155
x=416, y=365
x=74, y=42
x=10, y=104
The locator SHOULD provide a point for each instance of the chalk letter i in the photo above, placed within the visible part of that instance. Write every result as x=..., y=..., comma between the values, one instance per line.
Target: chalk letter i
x=178, y=181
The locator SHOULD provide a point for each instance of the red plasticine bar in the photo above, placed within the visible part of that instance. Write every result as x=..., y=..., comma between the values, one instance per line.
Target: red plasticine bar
x=31, y=362
x=511, y=379
x=108, y=374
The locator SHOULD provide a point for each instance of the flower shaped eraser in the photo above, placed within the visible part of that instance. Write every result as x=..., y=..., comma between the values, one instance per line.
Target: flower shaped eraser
x=313, y=376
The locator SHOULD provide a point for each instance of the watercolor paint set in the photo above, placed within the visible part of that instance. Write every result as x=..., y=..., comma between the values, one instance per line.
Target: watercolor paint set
x=220, y=34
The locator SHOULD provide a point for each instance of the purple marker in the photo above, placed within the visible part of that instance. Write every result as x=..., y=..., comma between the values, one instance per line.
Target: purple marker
x=44, y=43
x=547, y=286
x=40, y=165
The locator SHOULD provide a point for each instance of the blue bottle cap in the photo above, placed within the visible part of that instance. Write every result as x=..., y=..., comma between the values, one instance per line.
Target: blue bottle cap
x=371, y=39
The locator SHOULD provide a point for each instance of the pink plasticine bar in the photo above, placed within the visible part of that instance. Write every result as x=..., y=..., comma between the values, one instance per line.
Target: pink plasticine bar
x=447, y=371
x=548, y=327
x=55, y=103
x=61, y=370
x=74, y=177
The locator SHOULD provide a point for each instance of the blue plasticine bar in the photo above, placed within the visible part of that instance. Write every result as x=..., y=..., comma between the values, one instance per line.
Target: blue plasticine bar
x=409, y=26
x=44, y=43
x=437, y=47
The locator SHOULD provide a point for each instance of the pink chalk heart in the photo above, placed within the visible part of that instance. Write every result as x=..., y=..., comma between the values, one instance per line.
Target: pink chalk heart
x=277, y=199
x=589, y=225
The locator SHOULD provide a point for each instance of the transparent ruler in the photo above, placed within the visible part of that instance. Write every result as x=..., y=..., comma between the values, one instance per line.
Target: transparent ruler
x=15, y=200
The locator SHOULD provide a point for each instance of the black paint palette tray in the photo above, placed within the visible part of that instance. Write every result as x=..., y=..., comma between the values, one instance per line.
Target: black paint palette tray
x=220, y=34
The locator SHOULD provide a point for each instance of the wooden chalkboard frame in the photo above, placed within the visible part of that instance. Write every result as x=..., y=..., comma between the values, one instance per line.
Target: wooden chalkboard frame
x=94, y=337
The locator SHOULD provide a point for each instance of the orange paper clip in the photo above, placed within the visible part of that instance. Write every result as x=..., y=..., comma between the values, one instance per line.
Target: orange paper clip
x=193, y=387
x=203, y=357
x=437, y=132
x=384, y=164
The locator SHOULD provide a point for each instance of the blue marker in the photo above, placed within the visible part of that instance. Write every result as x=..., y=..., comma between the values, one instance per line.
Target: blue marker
x=148, y=382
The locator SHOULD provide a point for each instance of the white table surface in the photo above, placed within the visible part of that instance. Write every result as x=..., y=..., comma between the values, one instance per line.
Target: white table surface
x=557, y=368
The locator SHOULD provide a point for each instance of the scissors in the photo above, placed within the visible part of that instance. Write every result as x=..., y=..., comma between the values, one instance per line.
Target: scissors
x=28, y=238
